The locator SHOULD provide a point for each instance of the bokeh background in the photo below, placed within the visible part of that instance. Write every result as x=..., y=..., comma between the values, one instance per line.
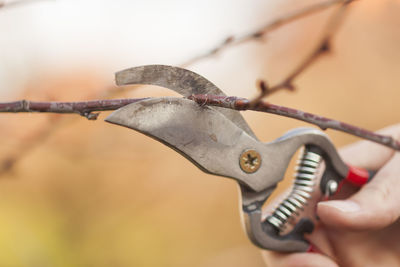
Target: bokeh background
x=85, y=193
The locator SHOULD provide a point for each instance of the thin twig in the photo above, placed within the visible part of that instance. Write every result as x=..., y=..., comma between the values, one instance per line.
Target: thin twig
x=83, y=108
x=260, y=33
x=88, y=107
x=322, y=48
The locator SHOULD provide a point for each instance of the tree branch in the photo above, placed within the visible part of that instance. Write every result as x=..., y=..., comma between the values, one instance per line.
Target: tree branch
x=233, y=102
x=86, y=108
x=260, y=33
x=322, y=48
x=83, y=108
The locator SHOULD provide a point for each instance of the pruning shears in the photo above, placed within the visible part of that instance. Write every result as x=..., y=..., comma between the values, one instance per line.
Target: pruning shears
x=220, y=142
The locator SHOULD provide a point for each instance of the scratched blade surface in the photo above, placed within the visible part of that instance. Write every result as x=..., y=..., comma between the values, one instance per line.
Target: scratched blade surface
x=182, y=81
x=201, y=134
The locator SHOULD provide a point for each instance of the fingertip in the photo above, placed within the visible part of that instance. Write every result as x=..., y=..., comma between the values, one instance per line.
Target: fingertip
x=350, y=215
x=339, y=213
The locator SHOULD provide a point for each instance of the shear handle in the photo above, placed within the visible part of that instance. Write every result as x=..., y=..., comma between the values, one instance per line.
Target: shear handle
x=265, y=235
x=268, y=236
x=261, y=232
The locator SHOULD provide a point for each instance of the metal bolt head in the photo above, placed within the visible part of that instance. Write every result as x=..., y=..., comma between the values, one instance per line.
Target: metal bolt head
x=250, y=161
x=331, y=187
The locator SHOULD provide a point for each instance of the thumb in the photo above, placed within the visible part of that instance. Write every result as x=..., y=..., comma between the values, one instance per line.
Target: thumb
x=375, y=206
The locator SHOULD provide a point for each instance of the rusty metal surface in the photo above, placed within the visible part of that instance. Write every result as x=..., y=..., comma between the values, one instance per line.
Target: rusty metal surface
x=182, y=81
x=214, y=143
x=201, y=134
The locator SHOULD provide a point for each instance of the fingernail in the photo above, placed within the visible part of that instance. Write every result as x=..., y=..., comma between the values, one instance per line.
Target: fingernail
x=342, y=205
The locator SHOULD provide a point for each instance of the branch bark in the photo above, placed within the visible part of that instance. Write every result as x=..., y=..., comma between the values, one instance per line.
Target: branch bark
x=86, y=109
x=324, y=123
x=83, y=108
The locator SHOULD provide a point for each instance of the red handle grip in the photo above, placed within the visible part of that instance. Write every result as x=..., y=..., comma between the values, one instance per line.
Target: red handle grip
x=358, y=176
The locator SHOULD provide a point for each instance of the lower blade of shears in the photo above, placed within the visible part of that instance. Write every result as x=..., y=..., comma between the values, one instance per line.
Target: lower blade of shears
x=182, y=81
x=201, y=134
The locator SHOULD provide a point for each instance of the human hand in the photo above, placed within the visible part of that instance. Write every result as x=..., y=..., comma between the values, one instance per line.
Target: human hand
x=363, y=229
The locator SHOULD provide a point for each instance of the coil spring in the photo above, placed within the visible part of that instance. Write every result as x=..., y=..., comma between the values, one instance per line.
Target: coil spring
x=304, y=182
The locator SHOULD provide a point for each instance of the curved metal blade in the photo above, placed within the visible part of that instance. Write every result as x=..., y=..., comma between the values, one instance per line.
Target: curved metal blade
x=201, y=134
x=182, y=81
x=215, y=144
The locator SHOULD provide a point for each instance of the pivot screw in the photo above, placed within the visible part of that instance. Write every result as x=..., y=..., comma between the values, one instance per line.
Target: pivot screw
x=250, y=161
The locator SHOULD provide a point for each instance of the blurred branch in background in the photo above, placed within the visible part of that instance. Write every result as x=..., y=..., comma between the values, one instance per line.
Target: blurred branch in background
x=15, y=3
x=230, y=42
x=322, y=48
x=38, y=137
x=260, y=34
x=86, y=109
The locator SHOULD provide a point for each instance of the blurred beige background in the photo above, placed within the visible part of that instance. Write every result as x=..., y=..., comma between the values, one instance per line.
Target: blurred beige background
x=93, y=194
